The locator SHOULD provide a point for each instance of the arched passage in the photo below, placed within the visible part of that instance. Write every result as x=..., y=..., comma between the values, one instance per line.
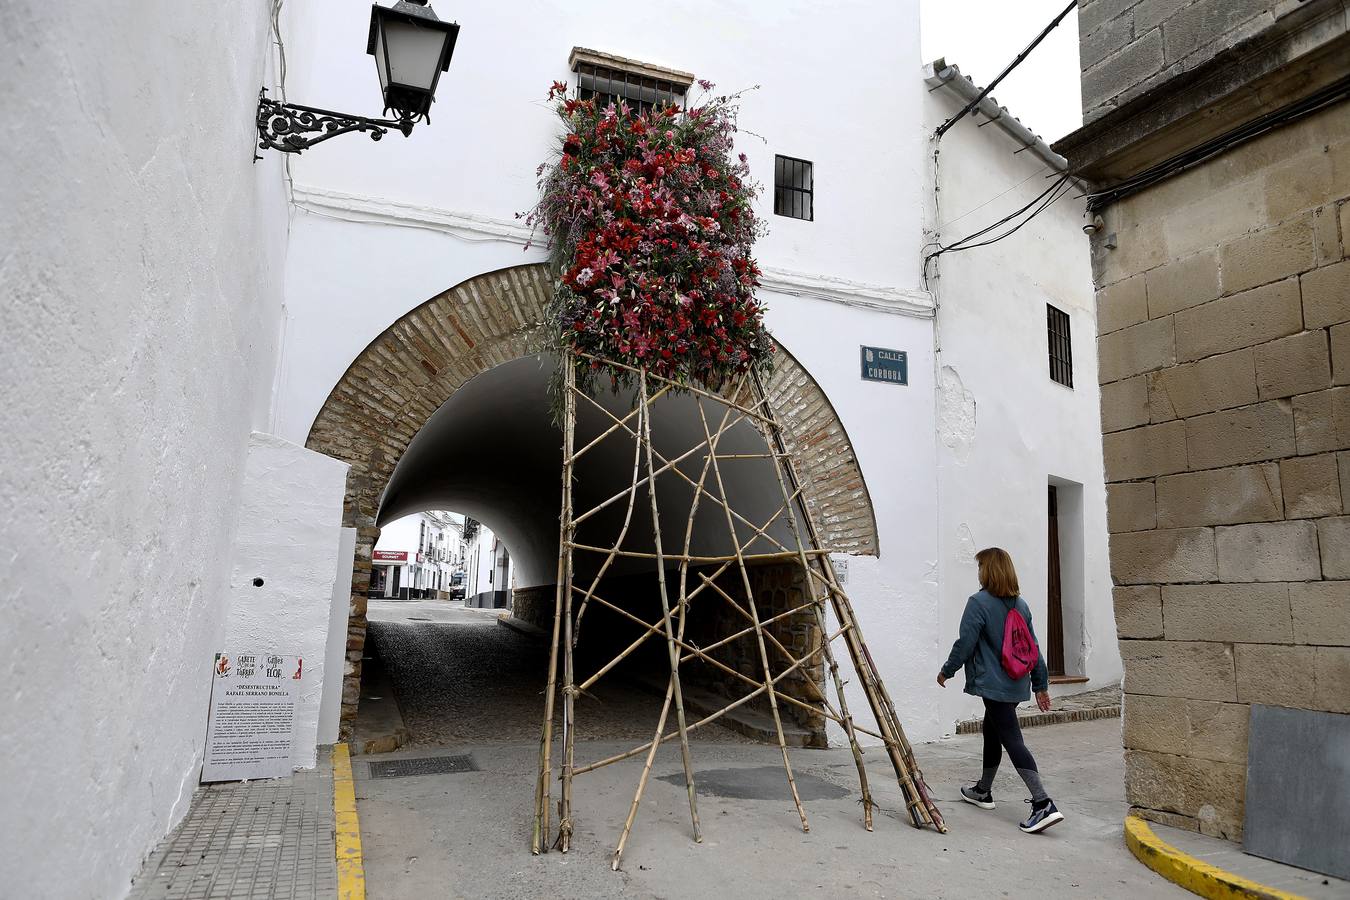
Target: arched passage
x=403, y=377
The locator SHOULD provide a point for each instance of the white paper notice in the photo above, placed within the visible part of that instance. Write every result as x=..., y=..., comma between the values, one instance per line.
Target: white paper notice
x=251, y=730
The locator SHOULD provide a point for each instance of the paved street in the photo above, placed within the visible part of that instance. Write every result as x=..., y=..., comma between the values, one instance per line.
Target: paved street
x=467, y=834
x=461, y=677
x=469, y=686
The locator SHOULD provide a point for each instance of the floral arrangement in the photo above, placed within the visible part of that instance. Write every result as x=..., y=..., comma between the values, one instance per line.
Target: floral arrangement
x=650, y=225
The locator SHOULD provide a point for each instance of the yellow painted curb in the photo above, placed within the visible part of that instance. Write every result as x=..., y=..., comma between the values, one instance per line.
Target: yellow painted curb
x=351, y=870
x=1194, y=875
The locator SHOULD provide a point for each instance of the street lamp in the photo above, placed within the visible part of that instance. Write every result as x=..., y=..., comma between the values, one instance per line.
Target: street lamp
x=411, y=46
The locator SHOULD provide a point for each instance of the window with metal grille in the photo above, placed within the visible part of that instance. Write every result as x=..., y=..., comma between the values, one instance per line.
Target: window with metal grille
x=1061, y=346
x=793, y=188
x=608, y=79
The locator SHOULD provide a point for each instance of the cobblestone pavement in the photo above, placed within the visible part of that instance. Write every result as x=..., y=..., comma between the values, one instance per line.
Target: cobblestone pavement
x=270, y=840
x=463, y=678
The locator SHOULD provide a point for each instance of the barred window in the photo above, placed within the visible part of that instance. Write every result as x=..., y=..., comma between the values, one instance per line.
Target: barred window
x=793, y=188
x=1061, y=346
x=607, y=79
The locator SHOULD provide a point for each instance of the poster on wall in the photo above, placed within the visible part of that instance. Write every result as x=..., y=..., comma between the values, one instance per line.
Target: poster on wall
x=250, y=732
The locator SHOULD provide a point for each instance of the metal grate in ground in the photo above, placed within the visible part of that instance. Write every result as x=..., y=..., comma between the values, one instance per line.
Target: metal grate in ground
x=427, y=765
x=260, y=839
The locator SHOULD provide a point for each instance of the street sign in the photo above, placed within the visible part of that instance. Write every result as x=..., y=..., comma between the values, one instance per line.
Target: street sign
x=251, y=728
x=888, y=366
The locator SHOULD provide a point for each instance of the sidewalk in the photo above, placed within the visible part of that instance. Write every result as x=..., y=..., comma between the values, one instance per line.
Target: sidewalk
x=259, y=839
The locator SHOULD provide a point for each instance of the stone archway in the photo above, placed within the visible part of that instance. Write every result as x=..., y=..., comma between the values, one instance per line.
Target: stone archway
x=409, y=371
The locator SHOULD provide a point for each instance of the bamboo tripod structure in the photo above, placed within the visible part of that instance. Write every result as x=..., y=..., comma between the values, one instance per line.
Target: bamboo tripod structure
x=743, y=401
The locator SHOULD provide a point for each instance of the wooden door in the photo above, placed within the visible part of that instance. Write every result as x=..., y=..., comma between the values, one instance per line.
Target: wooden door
x=1054, y=628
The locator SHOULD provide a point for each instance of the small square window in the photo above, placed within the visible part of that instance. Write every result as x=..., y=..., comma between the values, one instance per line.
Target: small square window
x=1061, y=346
x=793, y=188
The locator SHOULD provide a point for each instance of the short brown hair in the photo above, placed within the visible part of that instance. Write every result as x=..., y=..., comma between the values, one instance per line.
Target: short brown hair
x=997, y=575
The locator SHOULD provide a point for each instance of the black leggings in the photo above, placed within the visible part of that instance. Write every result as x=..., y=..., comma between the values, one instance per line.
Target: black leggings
x=1002, y=731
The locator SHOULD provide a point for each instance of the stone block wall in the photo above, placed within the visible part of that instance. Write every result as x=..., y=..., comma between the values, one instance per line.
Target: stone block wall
x=776, y=589
x=1224, y=317
x=1128, y=47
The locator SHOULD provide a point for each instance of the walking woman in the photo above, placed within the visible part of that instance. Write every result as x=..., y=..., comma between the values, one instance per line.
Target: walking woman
x=1003, y=665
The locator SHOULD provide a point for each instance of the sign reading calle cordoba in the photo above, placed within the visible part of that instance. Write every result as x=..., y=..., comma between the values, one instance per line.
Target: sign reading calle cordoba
x=250, y=733
x=889, y=366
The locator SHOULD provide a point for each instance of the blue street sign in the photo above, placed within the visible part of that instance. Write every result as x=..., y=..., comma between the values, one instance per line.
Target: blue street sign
x=880, y=364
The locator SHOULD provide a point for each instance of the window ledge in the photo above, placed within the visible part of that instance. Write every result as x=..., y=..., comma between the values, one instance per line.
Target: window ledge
x=584, y=55
x=1068, y=679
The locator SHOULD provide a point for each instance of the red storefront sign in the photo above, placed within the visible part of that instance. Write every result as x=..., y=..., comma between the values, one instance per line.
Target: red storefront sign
x=391, y=556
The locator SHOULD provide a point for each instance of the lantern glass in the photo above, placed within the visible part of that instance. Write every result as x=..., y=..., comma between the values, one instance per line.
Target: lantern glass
x=414, y=55
x=411, y=48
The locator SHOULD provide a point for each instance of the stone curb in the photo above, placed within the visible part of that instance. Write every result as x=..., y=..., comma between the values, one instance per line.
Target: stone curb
x=1194, y=875
x=1054, y=717
x=347, y=828
x=522, y=627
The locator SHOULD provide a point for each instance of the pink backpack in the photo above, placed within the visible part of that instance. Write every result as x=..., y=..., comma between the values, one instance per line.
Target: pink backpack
x=1019, y=649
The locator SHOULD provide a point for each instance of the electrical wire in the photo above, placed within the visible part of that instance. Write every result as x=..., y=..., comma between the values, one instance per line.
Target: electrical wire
x=994, y=240
x=960, y=244
x=942, y=129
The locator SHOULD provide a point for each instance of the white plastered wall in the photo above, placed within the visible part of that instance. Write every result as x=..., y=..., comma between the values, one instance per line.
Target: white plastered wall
x=1005, y=430
x=289, y=539
x=335, y=655
x=140, y=267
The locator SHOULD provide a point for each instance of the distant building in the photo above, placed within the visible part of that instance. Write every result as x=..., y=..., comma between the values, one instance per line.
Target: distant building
x=417, y=556
x=488, y=570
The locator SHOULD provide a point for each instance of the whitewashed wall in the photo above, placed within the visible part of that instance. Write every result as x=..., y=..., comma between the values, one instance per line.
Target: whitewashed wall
x=141, y=276
x=334, y=660
x=1005, y=429
x=828, y=93
x=290, y=539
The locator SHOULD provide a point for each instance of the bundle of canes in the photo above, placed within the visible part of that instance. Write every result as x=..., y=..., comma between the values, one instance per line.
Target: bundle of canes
x=742, y=400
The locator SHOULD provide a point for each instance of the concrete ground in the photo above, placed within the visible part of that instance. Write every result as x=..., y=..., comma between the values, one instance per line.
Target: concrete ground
x=468, y=686
x=467, y=834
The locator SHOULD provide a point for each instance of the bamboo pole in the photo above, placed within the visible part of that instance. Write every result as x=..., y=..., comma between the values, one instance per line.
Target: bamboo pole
x=698, y=653
x=672, y=465
x=568, y=533
x=675, y=384
x=916, y=792
x=672, y=652
x=618, y=542
x=759, y=632
x=711, y=717
x=666, y=463
x=611, y=429
x=540, y=827
x=830, y=662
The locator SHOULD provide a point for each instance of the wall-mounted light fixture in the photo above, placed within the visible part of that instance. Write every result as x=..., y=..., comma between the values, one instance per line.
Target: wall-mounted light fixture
x=411, y=46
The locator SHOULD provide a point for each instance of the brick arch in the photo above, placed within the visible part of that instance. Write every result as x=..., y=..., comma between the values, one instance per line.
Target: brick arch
x=409, y=371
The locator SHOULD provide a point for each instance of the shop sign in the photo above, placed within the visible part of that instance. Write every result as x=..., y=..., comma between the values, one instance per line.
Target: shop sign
x=391, y=555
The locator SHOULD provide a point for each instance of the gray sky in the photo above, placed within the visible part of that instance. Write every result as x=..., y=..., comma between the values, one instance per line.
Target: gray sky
x=983, y=36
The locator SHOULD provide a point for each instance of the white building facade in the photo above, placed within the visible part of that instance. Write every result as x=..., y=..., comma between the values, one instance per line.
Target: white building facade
x=963, y=456
x=488, y=573
x=222, y=324
x=417, y=556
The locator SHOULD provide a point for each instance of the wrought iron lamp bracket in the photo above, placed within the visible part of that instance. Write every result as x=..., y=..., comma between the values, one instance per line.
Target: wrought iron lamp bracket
x=291, y=128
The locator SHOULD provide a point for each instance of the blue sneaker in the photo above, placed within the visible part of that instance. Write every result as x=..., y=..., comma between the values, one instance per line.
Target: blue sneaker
x=1041, y=818
x=982, y=799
